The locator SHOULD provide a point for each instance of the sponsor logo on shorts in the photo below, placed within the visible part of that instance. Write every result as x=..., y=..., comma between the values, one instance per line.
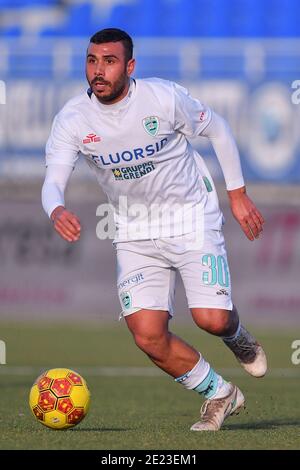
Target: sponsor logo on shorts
x=132, y=280
x=133, y=172
x=126, y=300
x=222, y=292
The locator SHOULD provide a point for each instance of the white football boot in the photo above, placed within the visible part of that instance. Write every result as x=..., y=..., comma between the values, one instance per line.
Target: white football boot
x=249, y=353
x=214, y=411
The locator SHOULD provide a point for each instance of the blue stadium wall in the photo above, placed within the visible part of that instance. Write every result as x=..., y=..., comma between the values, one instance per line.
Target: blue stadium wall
x=241, y=57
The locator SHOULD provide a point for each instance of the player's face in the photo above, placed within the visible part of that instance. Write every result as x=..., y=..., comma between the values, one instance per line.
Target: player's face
x=107, y=71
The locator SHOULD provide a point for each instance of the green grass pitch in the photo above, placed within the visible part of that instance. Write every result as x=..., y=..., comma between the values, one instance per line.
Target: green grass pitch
x=133, y=404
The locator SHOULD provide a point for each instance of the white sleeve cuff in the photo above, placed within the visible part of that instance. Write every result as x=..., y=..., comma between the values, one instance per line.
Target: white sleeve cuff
x=235, y=184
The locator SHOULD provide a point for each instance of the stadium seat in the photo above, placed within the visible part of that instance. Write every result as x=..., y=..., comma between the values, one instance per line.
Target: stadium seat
x=284, y=21
x=140, y=19
x=77, y=24
x=175, y=19
x=26, y=3
x=33, y=64
x=247, y=18
x=209, y=18
x=170, y=18
x=79, y=20
x=12, y=31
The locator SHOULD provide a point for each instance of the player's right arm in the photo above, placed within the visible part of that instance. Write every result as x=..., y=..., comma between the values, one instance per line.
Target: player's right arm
x=61, y=155
x=66, y=224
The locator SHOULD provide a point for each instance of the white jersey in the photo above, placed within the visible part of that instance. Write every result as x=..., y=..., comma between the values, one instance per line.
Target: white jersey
x=138, y=148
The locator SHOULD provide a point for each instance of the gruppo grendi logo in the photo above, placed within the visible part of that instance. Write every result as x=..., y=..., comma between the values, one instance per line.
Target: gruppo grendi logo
x=133, y=172
x=151, y=125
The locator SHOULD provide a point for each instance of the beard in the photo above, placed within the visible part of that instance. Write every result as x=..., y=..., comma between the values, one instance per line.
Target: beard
x=114, y=90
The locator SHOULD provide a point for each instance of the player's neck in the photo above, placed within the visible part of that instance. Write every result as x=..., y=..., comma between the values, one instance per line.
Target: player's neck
x=118, y=103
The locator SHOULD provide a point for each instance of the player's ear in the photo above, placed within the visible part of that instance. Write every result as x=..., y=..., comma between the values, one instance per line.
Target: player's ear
x=130, y=67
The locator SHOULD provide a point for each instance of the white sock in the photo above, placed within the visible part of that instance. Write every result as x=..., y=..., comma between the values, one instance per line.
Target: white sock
x=223, y=388
x=192, y=378
x=204, y=380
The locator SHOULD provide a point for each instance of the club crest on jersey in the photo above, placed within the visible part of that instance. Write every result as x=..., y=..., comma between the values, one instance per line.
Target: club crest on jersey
x=151, y=125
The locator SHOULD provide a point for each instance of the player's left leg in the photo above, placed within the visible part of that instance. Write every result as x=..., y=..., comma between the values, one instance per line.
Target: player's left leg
x=206, y=278
x=226, y=324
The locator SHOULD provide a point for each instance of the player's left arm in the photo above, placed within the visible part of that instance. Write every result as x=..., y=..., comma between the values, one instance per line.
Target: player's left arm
x=243, y=209
x=192, y=119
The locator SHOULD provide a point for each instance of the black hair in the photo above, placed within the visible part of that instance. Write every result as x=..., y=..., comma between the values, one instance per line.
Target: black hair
x=114, y=35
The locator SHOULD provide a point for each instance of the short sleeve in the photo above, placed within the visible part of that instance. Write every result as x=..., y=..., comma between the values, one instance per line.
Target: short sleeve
x=191, y=116
x=62, y=147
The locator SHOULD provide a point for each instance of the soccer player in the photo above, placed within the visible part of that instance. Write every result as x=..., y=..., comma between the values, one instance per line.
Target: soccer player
x=134, y=134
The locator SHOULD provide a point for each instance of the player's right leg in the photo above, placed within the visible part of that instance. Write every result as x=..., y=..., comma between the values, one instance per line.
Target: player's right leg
x=151, y=334
x=146, y=284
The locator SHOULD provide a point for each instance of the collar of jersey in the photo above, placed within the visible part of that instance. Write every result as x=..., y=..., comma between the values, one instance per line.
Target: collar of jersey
x=120, y=105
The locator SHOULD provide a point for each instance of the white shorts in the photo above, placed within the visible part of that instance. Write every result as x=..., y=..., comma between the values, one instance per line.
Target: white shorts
x=146, y=273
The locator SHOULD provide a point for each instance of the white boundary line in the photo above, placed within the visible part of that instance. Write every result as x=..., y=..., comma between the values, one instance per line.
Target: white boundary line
x=139, y=371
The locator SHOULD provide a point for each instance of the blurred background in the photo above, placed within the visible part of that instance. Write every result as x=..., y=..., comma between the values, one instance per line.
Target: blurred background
x=241, y=57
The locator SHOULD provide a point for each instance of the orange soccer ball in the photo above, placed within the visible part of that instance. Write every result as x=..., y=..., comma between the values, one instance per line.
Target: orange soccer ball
x=59, y=398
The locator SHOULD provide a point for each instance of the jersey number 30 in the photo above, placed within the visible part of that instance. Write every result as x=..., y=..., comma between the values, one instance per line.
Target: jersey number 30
x=218, y=270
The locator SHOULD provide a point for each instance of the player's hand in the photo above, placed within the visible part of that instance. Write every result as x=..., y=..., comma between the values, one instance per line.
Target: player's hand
x=66, y=224
x=246, y=213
